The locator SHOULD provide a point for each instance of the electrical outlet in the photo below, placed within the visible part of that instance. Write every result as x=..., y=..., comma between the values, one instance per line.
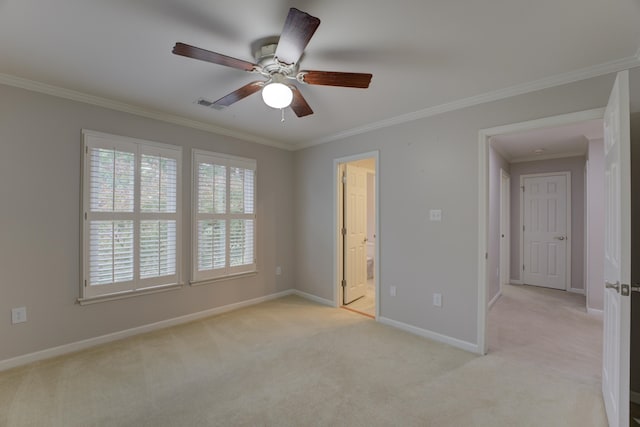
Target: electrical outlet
x=437, y=300
x=435, y=215
x=18, y=315
x=392, y=291
x=278, y=271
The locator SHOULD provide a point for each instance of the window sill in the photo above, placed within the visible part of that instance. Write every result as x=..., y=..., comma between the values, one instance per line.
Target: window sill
x=223, y=278
x=128, y=294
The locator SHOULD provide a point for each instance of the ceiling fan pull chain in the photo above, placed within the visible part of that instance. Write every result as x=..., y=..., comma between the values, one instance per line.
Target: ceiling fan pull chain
x=282, y=111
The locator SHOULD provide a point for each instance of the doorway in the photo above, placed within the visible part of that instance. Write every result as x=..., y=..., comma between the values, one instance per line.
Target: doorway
x=357, y=255
x=488, y=167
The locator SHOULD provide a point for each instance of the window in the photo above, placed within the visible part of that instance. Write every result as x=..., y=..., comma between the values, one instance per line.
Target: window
x=131, y=210
x=224, y=224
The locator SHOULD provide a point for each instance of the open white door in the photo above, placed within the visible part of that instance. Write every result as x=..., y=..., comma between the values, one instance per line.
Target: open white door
x=355, y=220
x=617, y=255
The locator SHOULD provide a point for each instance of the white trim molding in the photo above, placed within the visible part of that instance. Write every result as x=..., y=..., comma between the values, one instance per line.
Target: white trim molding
x=425, y=333
x=496, y=95
x=547, y=157
x=595, y=312
x=520, y=89
x=98, y=101
x=576, y=291
x=313, y=298
x=494, y=299
x=103, y=339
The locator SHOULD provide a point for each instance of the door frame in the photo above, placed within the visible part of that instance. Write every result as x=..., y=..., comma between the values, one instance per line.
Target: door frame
x=484, y=140
x=505, y=229
x=567, y=175
x=337, y=222
x=585, y=255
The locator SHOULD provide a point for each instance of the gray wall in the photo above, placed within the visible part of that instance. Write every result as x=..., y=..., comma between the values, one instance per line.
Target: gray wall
x=576, y=166
x=595, y=226
x=430, y=163
x=496, y=162
x=40, y=158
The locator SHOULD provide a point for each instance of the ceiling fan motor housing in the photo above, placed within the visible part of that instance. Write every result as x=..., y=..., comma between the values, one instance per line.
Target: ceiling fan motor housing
x=265, y=57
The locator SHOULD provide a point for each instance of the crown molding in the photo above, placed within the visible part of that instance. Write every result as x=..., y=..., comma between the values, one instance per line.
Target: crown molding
x=545, y=83
x=557, y=80
x=535, y=158
x=98, y=101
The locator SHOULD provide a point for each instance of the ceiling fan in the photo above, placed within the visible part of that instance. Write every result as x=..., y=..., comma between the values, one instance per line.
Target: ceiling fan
x=278, y=62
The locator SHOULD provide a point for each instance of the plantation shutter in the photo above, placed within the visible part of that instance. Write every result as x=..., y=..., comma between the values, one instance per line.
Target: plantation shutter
x=158, y=215
x=224, y=225
x=110, y=217
x=131, y=215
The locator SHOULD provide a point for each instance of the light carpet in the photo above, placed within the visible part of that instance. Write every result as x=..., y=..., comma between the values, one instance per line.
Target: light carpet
x=290, y=362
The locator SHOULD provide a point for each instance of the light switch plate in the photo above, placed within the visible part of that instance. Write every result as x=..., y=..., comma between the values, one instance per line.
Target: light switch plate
x=392, y=291
x=435, y=215
x=437, y=300
x=18, y=315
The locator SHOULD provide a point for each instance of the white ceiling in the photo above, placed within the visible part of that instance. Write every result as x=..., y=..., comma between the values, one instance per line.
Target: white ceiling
x=548, y=143
x=423, y=54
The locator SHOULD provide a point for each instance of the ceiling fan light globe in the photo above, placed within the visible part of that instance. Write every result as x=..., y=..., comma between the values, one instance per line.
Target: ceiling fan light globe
x=277, y=95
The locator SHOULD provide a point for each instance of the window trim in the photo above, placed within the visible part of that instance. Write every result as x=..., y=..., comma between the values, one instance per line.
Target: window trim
x=229, y=273
x=137, y=286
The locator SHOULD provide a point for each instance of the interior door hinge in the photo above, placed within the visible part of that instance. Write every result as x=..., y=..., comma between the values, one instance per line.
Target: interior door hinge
x=635, y=288
x=344, y=178
x=522, y=267
x=344, y=283
x=344, y=231
x=522, y=186
x=85, y=283
x=523, y=228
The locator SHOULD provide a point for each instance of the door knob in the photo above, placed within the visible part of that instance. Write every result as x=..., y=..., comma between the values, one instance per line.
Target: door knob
x=559, y=237
x=614, y=286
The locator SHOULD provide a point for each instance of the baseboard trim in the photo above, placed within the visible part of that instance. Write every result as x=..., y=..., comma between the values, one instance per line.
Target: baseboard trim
x=425, y=333
x=313, y=298
x=576, y=291
x=634, y=396
x=114, y=336
x=595, y=312
x=494, y=299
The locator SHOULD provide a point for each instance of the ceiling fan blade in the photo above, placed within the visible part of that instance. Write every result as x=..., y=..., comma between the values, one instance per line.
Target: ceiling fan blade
x=299, y=104
x=297, y=31
x=208, y=56
x=335, y=78
x=243, y=92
